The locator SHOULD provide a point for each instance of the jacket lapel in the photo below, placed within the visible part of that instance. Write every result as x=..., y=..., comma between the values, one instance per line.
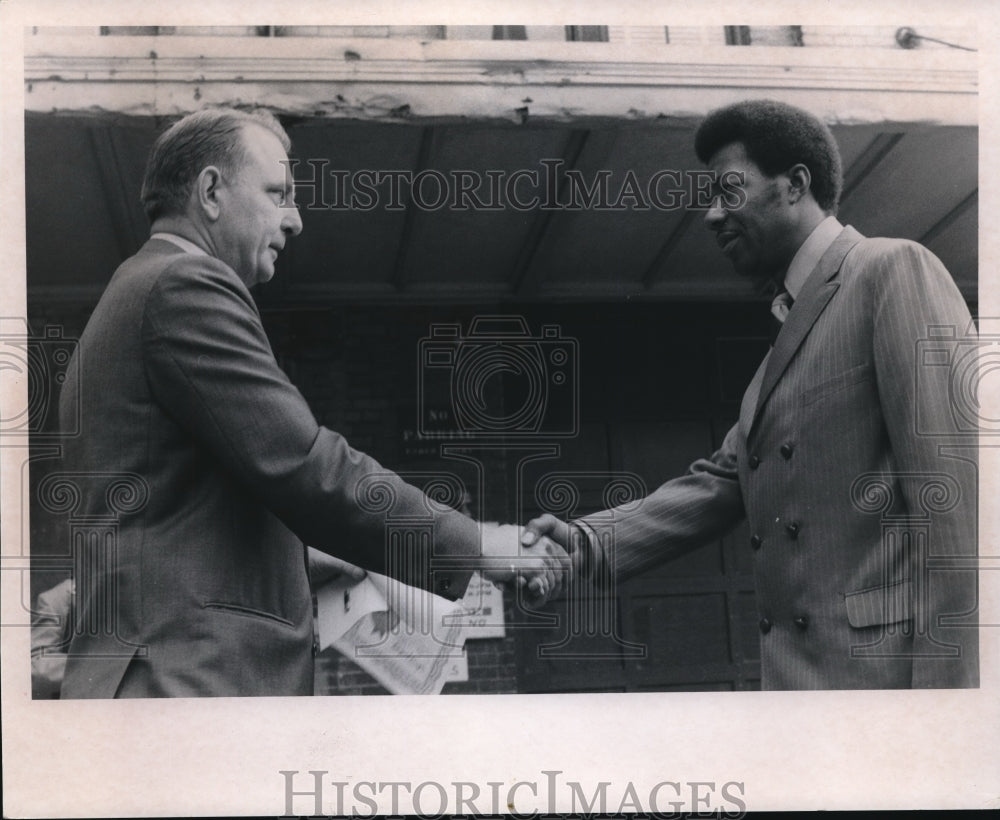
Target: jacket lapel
x=813, y=299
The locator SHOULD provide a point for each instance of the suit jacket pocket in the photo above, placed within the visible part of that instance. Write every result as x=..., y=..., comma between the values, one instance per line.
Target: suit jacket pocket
x=880, y=605
x=245, y=611
x=853, y=375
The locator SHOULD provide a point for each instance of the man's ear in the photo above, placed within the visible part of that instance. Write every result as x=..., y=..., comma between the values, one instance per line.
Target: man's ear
x=799, y=182
x=206, y=192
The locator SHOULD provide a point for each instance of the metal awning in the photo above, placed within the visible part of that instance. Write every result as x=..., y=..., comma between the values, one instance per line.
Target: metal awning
x=492, y=116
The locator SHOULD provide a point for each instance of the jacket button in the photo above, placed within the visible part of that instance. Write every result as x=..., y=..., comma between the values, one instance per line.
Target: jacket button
x=802, y=622
x=786, y=451
x=765, y=626
x=754, y=462
x=756, y=541
x=793, y=530
x=445, y=584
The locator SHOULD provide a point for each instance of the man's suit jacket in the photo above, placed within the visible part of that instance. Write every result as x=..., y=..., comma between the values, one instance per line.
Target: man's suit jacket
x=859, y=488
x=201, y=585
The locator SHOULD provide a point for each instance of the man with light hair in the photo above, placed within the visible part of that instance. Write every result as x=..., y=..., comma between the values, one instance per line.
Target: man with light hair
x=229, y=473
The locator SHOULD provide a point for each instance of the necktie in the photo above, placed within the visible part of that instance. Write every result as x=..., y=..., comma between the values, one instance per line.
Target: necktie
x=779, y=312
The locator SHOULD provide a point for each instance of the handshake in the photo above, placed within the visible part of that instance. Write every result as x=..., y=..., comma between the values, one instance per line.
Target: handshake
x=540, y=558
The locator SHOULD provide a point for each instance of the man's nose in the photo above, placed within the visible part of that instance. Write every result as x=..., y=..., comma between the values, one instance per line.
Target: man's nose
x=715, y=214
x=291, y=221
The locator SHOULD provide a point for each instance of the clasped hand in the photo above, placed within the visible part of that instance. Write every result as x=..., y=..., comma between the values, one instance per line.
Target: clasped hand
x=540, y=569
x=534, y=559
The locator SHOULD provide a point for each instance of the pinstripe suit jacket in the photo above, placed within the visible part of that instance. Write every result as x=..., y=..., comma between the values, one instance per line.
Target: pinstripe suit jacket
x=856, y=480
x=205, y=591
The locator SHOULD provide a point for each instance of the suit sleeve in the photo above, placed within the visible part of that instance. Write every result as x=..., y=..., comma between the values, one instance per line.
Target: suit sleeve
x=923, y=338
x=211, y=369
x=681, y=515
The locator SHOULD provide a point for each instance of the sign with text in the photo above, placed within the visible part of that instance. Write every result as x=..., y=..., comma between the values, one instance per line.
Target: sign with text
x=481, y=610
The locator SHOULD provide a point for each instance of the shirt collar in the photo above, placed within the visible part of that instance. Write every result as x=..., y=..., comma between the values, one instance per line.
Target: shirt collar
x=184, y=244
x=809, y=253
